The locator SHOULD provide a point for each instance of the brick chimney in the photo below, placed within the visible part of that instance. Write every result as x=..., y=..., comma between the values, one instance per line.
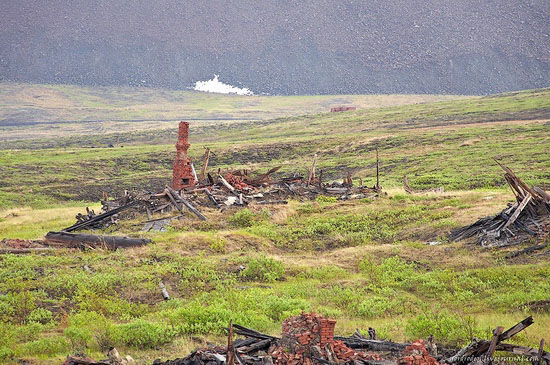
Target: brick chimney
x=183, y=173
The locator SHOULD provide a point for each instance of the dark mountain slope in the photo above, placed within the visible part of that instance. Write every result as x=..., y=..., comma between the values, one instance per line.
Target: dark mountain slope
x=281, y=46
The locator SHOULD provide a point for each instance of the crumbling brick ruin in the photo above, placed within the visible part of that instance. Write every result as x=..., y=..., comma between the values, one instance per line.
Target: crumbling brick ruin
x=183, y=175
x=308, y=339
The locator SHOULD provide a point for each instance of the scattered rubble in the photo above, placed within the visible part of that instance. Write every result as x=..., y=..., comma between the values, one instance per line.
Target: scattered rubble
x=528, y=218
x=309, y=339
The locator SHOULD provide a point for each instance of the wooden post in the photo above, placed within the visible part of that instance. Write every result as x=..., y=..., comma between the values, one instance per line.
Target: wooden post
x=230, y=348
x=377, y=171
x=194, y=174
x=496, y=333
x=541, y=352
x=311, y=176
x=226, y=184
x=204, y=165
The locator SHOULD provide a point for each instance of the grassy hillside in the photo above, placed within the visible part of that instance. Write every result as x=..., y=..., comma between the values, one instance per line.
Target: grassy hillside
x=37, y=111
x=444, y=143
x=364, y=263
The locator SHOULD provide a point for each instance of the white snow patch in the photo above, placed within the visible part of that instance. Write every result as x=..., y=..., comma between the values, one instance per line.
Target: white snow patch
x=216, y=86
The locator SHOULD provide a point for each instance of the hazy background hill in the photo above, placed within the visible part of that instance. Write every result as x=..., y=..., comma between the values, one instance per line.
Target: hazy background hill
x=281, y=46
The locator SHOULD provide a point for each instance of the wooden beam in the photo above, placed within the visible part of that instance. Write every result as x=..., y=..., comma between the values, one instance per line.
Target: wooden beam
x=212, y=199
x=73, y=240
x=518, y=211
x=100, y=217
x=522, y=350
x=186, y=203
x=173, y=200
x=226, y=184
x=497, y=332
x=205, y=161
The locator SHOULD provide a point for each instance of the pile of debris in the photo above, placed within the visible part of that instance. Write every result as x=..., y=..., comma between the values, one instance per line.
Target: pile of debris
x=306, y=339
x=234, y=188
x=418, y=355
x=238, y=188
x=528, y=218
x=309, y=339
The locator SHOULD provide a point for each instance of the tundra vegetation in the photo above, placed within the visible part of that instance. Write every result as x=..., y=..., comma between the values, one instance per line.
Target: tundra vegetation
x=365, y=263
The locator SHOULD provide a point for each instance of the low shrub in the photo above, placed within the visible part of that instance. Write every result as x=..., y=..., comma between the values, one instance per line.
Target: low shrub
x=47, y=346
x=6, y=354
x=143, y=334
x=445, y=326
x=246, y=218
x=265, y=269
x=40, y=315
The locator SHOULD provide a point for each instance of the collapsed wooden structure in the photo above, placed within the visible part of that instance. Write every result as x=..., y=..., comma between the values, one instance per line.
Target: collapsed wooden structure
x=308, y=339
x=232, y=189
x=528, y=218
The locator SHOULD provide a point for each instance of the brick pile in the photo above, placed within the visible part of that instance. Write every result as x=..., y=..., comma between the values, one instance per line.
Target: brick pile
x=236, y=181
x=309, y=337
x=418, y=355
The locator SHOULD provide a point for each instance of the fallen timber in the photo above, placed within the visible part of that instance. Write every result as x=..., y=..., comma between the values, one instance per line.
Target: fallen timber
x=483, y=350
x=100, y=217
x=82, y=241
x=357, y=342
x=528, y=218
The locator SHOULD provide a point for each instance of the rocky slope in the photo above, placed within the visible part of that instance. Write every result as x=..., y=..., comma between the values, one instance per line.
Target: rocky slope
x=282, y=46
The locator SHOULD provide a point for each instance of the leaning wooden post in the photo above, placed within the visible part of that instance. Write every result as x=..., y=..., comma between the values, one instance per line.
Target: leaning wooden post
x=230, y=348
x=204, y=165
x=494, y=342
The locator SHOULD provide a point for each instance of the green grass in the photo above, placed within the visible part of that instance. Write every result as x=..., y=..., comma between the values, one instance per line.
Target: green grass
x=363, y=262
